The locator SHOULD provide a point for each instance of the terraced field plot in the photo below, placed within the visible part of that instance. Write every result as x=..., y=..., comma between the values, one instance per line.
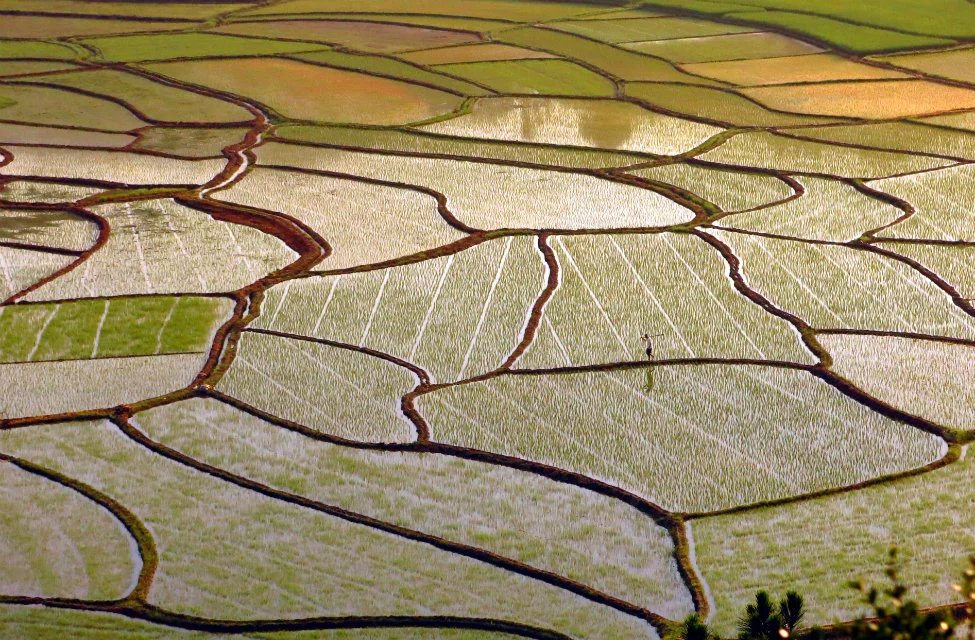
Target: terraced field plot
x=828, y=210
x=719, y=105
x=479, y=319
x=578, y=422
x=50, y=353
x=790, y=69
x=50, y=106
x=597, y=123
x=955, y=64
x=152, y=100
x=642, y=29
x=472, y=53
x=120, y=169
x=872, y=100
x=338, y=95
x=744, y=46
x=54, y=229
x=362, y=36
x=918, y=136
x=44, y=27
x=534, y=76
x=26, y=134
x=471, y=190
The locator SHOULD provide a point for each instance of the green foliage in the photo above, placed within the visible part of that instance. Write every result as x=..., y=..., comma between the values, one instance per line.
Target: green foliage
x=766, y=621
x=967, y=590
x=894, y=616
x=691, y=629
x=792, y=611
x=763, y=620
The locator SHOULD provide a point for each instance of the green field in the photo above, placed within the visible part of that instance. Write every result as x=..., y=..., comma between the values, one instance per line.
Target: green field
x=849, y=24
x=189, y=45
x=101, y=329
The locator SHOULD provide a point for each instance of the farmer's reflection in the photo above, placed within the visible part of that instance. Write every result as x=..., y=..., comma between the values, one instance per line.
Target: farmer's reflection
x=648, y=387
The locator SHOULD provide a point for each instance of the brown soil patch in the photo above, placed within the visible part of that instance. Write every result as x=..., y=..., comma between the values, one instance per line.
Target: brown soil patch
x=871, y=100
x=308, y=92
x=766, y=71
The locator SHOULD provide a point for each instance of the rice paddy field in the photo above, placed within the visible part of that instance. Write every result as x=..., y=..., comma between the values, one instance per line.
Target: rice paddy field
x=480, y=319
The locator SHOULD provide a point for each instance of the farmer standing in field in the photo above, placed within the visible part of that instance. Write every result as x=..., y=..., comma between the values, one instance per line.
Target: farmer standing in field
x=648, y=341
